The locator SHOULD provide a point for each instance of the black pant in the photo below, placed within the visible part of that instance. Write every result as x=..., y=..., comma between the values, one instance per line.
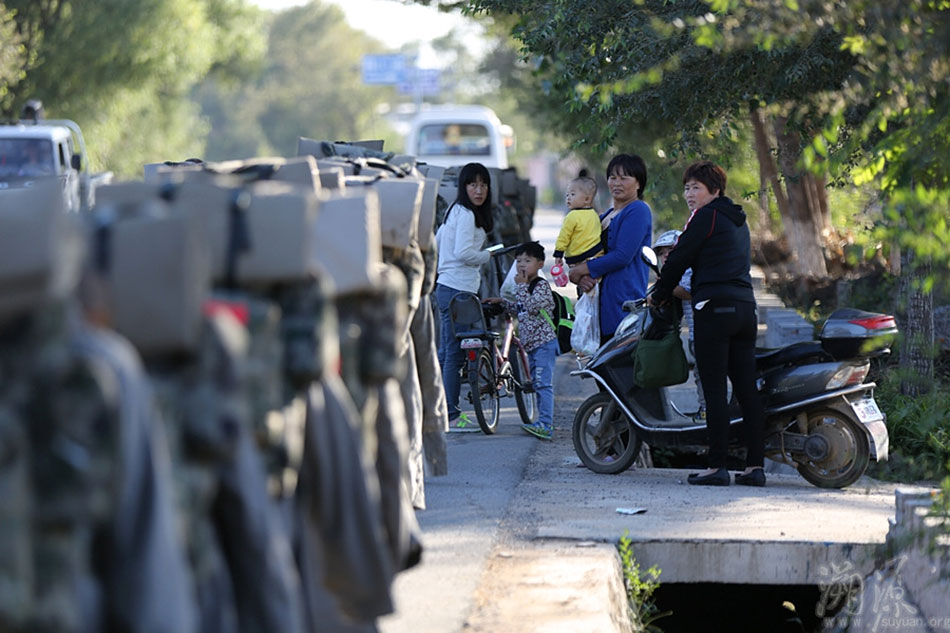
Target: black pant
x=725, y=332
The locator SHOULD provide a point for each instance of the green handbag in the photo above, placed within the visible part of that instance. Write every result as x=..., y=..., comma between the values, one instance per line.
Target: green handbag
x=660, y=362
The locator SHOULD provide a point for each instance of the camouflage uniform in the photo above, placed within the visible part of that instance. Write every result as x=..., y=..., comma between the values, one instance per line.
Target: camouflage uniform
x=147, y=586
x=411, y=263
x=339, y=537
x=435, y=412
x=93, y=543
x=383, y=351
x=238, y=546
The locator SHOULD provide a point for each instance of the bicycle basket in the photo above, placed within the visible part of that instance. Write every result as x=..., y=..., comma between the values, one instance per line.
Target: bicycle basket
x=468, y=320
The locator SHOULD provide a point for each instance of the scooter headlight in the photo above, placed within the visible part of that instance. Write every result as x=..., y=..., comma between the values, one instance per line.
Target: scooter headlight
x=627, y=323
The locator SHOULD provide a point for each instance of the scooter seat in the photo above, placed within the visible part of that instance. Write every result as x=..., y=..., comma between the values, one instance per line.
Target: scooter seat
x=789, y=355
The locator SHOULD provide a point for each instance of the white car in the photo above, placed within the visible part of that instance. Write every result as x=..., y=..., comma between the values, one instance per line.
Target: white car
x=454, y=135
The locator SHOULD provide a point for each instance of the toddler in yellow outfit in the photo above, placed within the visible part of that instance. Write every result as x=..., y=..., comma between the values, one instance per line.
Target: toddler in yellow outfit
x=580, y=235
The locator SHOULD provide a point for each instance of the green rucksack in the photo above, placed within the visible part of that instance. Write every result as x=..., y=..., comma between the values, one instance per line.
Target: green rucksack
x=562, y=322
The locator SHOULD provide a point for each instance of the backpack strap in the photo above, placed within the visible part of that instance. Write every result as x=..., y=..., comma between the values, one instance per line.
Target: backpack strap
x=544, y=313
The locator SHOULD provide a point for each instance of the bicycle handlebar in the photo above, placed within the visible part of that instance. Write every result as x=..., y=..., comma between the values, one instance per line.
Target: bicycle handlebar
x=491, y=310
x=506, y=249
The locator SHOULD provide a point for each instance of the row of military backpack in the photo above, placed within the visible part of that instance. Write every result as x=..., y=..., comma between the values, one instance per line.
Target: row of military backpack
x=219, y=394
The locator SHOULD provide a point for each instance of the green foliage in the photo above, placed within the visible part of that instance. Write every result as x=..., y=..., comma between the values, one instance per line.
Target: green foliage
x=123, y=69
x=659, y=68
x=510, y=90
x=919, y=430
x=309, y=86
x=866, y=83
x=12, y=53
x=640, y=606
x=941, y=507
x=916, y=218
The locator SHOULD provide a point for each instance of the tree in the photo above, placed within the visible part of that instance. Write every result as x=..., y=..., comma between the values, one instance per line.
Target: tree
x=616, y=69
x=310, y=85
x=11, y=54
x=123, y=69
x=858, y=88
x=894, y=110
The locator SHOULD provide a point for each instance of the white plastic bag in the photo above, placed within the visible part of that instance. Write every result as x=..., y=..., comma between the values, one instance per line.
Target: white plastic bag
x=509, y=289
x=585, y=337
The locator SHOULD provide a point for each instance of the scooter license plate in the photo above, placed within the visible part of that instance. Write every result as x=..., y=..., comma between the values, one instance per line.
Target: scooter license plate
x=867, y=410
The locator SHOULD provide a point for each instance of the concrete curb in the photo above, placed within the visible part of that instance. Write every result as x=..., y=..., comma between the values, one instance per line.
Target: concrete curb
x=551, y=587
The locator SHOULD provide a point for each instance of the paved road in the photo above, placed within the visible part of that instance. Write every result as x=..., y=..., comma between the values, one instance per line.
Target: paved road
x=516, y=516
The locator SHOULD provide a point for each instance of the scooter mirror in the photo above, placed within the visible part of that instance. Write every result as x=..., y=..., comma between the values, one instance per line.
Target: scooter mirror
x=649, y=257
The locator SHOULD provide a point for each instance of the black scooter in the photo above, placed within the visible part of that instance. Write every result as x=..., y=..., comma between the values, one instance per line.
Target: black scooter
x=821, y=417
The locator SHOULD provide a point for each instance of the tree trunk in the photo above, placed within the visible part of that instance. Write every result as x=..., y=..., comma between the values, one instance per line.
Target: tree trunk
x=817, y=203
x=768, y=173
x=917, y=328
x=801, y=222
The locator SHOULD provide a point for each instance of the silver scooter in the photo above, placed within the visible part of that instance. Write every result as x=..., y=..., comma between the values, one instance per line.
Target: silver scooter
x=821, y=416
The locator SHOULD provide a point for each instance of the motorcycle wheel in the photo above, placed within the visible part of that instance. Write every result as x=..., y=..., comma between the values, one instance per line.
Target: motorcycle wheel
x=604, y=438
x=527, y=401
x=848, y=451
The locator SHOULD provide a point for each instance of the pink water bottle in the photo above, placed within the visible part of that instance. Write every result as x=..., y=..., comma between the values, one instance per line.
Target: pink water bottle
x=559, y=275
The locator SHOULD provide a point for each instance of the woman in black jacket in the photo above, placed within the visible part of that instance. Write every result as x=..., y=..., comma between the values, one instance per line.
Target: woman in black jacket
x=715, y=244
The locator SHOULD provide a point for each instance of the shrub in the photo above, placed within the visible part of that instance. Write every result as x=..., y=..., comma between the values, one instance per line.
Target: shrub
x=640, y=606
x=919, y=429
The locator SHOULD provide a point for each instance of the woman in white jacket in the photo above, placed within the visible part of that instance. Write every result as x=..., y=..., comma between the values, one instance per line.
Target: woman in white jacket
x=461, y=241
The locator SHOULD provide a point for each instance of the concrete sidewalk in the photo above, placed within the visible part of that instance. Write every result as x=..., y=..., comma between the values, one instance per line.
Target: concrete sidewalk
x=520, y=536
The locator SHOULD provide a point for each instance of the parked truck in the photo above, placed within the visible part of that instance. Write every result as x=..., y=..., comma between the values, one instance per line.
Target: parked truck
x=34, y=147
x=451, y=135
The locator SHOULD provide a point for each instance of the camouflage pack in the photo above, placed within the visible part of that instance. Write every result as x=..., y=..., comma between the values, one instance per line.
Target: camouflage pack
x=215, y=207
x=301, y=170
x=431, y=171
x=385, y=323
x=309, y=331
x=40, y=249
x=345, y=166
x=332, y=178
x=411, y=263
x=259, y=234
x=400, y=202
x=348, y=243
x=281, y=222
x=159, y=277
x=372, y=150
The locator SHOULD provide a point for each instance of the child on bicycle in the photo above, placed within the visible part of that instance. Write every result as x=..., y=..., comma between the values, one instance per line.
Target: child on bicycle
x=539, y=339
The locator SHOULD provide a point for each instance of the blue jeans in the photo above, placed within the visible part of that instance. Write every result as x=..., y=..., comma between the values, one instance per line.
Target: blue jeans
x=542, y=369
x=450, y=354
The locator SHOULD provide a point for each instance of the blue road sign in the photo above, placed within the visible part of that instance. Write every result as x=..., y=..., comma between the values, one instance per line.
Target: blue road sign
x=421, y=81
x=384, y=69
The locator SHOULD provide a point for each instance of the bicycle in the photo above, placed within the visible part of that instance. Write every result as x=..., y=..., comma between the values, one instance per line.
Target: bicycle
x=490, y=368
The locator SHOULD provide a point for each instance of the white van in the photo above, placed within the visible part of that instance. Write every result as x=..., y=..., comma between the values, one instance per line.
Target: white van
x=454, y=135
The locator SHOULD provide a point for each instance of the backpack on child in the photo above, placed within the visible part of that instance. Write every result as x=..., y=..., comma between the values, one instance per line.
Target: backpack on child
x=562, y=321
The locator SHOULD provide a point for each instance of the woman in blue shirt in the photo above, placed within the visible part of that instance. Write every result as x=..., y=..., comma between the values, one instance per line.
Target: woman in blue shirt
x=628, y=226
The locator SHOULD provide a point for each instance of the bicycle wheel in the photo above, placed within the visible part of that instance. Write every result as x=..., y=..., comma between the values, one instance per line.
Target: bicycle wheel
x=484, y=391
x=525, y=395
